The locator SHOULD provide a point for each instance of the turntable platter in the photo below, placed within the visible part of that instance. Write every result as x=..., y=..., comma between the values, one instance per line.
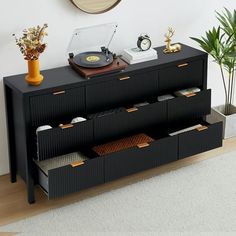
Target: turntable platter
x=93, y=59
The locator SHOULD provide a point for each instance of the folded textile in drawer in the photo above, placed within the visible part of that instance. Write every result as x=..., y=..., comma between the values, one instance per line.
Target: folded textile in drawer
x=69, y=173
x=56, y=162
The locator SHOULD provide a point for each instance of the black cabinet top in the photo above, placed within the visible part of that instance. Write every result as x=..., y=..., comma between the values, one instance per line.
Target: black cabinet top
x=64, y=77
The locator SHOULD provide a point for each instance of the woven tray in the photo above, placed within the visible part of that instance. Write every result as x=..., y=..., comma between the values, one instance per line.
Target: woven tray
x=122, y=144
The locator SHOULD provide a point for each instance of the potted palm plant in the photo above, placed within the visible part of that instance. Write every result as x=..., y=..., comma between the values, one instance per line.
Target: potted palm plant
x=220, y=43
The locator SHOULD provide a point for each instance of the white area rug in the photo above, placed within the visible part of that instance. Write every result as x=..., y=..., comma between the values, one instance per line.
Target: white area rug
x=197, y=198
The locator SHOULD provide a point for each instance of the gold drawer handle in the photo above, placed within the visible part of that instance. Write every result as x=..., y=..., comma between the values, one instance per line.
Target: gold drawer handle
x=202, y=128
x=190, y=95
x=143, y=145
x=124, y=78
x=59, y=92
x=77, y=163
x=66, y=126
x=182, y=65
x=132, y=109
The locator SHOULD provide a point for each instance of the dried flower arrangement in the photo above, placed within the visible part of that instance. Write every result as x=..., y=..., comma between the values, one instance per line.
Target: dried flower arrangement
x=31, y=43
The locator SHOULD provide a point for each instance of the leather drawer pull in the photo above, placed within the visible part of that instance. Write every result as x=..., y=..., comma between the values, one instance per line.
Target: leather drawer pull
x=202, y=128
x=59, y=92
x=132, y=109
x=124, y=78
x=182, y=65
x=76, y=163
x=190, y=95
x=143, y=145
x=66, y=126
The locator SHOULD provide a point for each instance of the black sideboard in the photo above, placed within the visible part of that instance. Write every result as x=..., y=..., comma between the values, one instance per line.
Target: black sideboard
x=107, y=103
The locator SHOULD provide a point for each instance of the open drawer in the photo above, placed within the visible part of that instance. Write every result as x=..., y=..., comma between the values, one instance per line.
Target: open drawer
x=119, y=90
x=65, y=139
x=160, y=150
x=119, y=122
x=58, y=178
x=193, y=106
x=198, y=139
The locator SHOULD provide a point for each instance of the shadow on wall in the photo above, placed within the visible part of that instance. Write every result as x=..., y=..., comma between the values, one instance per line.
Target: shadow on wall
x=3, y=131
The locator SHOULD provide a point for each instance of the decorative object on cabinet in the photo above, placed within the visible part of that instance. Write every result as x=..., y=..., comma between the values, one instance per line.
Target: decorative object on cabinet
x=220, y=43
x=89, y=52
x=135, y=55
x=144, y=42
x=31, y=46
x=106, y=102
x=95, y=6
x=170, y=48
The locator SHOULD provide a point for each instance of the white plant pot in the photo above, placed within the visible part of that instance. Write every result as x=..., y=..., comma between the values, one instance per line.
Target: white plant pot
x=229, y=121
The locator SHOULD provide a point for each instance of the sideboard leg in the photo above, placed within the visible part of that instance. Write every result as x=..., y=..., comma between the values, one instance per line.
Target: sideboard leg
x=10, y=133
x=30, y=190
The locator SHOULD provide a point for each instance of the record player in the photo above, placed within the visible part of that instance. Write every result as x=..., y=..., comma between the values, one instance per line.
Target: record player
x=89, y=52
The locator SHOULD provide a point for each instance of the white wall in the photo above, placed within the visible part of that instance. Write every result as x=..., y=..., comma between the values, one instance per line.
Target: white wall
x=188, y=18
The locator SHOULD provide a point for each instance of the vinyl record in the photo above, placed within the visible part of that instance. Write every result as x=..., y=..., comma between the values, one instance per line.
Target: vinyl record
x=93, y=59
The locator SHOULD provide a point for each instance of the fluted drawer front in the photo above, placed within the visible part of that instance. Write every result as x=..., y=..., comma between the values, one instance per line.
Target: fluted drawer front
x=197, y=141
x=136, y=159
x=123, y=121
x=182, y=75
x=59, y=141
x=68, y=179
x=120, y=90
x=57, y=106
x=189, y=108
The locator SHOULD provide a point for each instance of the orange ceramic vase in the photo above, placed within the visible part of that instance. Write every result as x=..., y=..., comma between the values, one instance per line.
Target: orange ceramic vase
x=34, y=77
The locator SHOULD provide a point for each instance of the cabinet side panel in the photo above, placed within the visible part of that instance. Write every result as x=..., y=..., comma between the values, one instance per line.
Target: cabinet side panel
x=10, y=132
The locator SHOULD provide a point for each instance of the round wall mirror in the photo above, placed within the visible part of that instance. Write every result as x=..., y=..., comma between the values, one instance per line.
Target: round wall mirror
x=95, y=6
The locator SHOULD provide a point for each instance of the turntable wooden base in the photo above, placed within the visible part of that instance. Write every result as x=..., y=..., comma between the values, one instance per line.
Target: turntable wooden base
x=117, y=65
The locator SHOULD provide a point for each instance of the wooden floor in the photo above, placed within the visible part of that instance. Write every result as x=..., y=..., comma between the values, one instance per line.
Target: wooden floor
x=14, y=206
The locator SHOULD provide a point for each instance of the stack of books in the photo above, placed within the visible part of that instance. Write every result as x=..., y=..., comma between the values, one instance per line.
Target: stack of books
x=135, y=55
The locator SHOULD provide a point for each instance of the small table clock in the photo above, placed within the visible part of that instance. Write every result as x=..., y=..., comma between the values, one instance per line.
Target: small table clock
x=144, y=42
